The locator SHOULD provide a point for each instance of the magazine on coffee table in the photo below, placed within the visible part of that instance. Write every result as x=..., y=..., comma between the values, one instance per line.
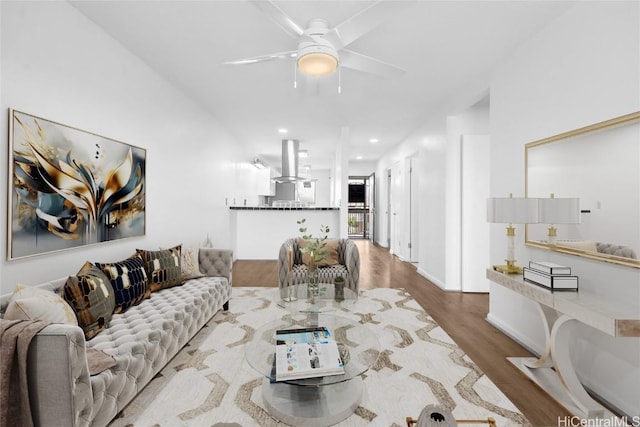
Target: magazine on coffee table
x=306, y=353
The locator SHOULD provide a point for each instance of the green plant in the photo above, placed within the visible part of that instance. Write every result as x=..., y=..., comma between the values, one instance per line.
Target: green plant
x=314, y=246
x=352, y=220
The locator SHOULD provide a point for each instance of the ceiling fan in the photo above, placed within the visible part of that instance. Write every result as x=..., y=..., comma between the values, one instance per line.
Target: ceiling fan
x=322, y=50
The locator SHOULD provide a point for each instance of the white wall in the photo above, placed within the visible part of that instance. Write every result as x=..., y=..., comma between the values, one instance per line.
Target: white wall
x=474, y=233
x=361, y=168
x=323, y=186
x=581, y=69
x=433, y=199
x=474, y=120
x=57, y=64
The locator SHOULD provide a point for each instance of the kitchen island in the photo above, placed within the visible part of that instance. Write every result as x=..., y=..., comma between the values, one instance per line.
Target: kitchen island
x=257, y=232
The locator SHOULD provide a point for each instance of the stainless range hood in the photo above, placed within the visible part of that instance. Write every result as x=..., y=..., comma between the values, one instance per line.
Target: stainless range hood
x=290, y=150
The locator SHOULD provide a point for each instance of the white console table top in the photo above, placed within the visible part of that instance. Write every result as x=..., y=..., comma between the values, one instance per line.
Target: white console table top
x=611, y=317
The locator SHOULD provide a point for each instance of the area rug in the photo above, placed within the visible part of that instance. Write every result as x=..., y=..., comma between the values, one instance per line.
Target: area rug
x=210, y=382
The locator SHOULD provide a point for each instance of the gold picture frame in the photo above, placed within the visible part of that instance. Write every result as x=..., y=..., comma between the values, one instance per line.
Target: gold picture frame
x=578, y=163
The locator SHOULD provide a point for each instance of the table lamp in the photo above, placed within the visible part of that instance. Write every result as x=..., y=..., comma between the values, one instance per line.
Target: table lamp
x=511, y=210
x=558, y=211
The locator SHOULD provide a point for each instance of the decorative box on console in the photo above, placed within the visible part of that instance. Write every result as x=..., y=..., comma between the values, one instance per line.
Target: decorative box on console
x=551, y=276
x=549, y=267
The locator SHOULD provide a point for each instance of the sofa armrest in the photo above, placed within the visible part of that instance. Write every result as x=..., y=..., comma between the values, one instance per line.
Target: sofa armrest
x=352, y=263
x=216, y=262
x=283, y=263
x=58, y=377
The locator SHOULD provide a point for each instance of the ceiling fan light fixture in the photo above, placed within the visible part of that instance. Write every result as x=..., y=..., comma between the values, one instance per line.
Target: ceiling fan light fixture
x=317, y=60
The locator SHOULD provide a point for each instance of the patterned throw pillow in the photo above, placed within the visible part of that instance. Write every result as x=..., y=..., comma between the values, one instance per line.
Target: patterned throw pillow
x=190, y=264
x=162, y=267
x=91, y=296
x=128, y=280
x=32, y=303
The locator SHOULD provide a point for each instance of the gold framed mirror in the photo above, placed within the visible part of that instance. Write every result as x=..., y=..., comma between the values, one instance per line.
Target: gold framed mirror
x=600, y=165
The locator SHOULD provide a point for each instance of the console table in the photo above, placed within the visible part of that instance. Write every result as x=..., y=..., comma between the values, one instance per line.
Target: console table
x=558, y=310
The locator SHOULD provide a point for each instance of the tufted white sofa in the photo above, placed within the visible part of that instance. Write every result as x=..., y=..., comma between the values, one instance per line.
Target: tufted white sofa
x=142, y=340
x=617, y=250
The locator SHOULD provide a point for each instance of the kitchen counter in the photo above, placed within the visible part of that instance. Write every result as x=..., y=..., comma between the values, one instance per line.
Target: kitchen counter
x=257, y=232
x=282, y=208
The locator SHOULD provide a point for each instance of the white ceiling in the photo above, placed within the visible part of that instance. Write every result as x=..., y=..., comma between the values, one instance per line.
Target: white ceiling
x=444, y=46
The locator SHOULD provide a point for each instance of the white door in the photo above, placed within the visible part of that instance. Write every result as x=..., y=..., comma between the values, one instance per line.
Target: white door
x=413, y=207
x=397, y=196
x=475, y=229
x=371, y=203
x=388, y=210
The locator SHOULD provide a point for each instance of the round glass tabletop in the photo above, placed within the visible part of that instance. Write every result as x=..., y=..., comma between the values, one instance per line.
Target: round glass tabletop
x=358, y=346
x=298, y=298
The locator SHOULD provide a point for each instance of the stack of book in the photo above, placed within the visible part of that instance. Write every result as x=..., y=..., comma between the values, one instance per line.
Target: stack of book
x=551, y=276
x=305, y=353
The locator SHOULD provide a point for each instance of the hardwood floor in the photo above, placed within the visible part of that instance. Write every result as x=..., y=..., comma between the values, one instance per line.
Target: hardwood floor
x=461, y=315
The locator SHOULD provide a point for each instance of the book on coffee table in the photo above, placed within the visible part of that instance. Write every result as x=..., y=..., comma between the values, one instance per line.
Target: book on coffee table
x=306, y=353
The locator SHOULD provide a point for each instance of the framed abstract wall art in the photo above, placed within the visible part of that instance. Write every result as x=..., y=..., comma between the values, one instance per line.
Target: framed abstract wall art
x=70, y=188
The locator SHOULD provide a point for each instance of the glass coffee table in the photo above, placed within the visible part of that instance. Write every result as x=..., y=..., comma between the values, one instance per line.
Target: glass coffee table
x=298, y=298
x=315, y=401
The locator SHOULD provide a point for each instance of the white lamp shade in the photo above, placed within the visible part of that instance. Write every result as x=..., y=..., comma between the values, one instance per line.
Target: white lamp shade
x=512, y=210
x=559, y=211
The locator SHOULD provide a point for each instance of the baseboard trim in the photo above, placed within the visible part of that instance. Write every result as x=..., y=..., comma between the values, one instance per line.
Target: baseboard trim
x=511, y=333
x=432, y=279
x=382, y=245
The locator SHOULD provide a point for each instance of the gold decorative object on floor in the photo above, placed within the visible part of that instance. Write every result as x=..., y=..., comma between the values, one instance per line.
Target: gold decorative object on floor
x=490, y=421
x=436, y=416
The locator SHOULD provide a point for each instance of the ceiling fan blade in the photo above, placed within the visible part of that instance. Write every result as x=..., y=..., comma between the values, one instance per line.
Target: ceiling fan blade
x=364, y=21
x=264, y=58
x=279, y=17
x=360, y=62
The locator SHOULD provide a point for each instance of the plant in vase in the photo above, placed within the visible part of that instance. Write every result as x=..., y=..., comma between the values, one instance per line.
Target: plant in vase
x=314, y=247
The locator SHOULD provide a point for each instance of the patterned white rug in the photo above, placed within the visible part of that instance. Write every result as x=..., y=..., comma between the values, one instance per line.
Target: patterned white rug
x=210, y=382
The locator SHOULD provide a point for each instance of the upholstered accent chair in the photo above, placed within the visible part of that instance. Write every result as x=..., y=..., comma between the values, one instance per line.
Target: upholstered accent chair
x=348, y=264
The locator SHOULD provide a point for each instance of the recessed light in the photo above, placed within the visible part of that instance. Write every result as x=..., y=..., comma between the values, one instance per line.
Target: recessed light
x=282, y=130
x=358, y=157
x=373, y=140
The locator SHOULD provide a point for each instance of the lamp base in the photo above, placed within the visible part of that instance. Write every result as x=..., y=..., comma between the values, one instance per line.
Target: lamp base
x=510, y=268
